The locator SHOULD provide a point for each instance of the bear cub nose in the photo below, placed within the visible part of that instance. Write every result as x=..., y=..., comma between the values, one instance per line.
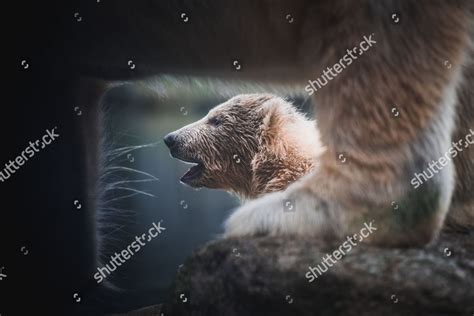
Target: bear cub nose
x=170, y=140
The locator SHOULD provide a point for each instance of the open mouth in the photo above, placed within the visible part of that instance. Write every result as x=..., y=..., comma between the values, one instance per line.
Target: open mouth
x=194, y=172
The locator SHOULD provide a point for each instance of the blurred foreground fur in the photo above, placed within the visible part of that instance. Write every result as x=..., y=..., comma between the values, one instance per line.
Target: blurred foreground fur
x=406, y=69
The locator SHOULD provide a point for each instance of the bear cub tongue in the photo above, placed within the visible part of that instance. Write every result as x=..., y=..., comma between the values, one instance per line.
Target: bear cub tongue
x=193, y=172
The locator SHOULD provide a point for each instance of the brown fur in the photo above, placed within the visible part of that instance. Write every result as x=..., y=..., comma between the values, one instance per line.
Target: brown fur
x=255, y=149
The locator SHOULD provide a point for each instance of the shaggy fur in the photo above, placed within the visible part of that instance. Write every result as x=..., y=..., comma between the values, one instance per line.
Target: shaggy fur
x=249, y=145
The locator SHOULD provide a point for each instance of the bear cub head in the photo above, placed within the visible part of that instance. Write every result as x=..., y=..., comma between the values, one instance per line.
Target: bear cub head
x=249, y=145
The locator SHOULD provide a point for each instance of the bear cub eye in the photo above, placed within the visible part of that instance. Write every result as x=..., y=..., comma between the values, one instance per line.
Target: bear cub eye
x=214, y=121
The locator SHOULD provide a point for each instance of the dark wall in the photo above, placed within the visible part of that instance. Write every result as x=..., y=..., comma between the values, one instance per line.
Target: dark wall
x=38, y=200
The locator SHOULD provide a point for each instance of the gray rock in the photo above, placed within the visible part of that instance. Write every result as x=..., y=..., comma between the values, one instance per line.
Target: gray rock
x=266, y=276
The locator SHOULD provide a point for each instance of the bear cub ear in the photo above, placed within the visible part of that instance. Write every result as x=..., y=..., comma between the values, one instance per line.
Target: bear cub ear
x=269, y=115
x=273, y=112
x=275, y=115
